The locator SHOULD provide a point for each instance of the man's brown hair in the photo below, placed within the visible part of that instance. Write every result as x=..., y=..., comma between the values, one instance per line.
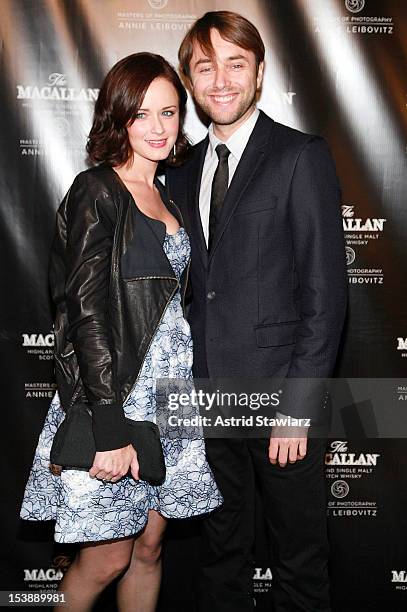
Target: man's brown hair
x=231, y=26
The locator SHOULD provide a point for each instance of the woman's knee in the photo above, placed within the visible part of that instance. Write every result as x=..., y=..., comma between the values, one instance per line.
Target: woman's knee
x=148, y=552
x=147, y=547
x=105, y=568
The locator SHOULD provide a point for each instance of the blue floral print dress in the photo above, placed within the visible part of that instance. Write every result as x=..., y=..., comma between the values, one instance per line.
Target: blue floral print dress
x=86, y=509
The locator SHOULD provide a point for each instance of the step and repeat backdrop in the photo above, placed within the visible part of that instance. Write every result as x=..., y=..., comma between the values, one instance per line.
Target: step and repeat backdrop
x=333, y=67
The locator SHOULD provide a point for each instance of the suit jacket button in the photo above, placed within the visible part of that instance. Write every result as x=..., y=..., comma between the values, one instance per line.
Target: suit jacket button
x=211, y=295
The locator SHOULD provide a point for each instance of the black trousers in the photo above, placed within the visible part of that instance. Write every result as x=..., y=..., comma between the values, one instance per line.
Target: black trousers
x=295, y=510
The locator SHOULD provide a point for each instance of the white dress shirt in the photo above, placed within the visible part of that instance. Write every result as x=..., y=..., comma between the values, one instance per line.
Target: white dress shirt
x=236, y=145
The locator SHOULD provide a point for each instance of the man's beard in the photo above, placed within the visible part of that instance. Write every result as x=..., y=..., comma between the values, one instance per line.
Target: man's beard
x=227, y=117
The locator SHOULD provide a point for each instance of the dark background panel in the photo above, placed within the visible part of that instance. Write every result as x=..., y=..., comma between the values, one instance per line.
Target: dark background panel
x=333, y=67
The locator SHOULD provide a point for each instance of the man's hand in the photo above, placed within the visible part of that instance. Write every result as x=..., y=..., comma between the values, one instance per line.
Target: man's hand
x=114, y=464
x=287, y=443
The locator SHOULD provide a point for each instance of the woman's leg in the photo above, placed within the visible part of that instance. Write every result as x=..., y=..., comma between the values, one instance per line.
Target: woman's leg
x=138, y=588
x=93, y=568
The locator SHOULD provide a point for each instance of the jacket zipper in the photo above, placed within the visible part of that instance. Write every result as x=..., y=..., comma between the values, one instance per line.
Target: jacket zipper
x=162, y=314
x=166, y=305
x=136, y=278
x=189, y=261
x=153, y=334
x=185, y=288
x=180, y=213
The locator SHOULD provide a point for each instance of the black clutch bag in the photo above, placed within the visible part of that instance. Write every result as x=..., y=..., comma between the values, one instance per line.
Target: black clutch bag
x=74, y=445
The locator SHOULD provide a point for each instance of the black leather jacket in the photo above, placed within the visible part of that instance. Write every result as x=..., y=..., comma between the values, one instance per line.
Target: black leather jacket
x=111, y=283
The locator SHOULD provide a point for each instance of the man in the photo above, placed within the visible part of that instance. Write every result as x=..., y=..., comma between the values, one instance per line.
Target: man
x=261, y=202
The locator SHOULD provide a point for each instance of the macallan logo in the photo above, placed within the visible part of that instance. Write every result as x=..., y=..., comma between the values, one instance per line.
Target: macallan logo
x=259, y=574
x=42, y=575
x=38, y=339
x=340, y=456
x=60, y=565
x=399, y=576
x=56, y=89
x=402, y=344
x=351, y=224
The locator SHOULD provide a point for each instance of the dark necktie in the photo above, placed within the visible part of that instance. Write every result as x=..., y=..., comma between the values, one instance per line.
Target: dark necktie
x=219, y=189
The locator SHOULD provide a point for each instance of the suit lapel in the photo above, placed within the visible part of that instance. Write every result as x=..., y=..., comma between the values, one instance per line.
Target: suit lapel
x=194, y=185
x=251, y=159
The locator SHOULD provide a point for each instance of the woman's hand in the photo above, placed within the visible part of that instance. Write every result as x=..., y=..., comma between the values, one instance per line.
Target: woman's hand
x=114, y=464
x=55, y=469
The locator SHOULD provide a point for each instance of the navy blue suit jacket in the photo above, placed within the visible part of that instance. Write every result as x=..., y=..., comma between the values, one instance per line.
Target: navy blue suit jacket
x=270, y=298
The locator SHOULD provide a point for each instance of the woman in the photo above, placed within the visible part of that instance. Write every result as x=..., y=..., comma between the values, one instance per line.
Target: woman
x=119, y=270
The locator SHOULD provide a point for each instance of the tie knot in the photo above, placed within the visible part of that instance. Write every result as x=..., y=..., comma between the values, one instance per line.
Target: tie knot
x=222, y=152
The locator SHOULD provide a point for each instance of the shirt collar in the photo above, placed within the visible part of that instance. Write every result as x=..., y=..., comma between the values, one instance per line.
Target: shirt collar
x=238, y=141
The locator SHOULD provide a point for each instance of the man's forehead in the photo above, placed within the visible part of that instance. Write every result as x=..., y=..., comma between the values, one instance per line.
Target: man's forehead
x=221, y=47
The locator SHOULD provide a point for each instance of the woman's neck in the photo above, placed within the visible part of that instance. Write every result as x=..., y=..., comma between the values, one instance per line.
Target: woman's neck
x=138, y=170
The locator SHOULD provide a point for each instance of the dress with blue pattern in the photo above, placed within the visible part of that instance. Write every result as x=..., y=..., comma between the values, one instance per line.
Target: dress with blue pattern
x=88, y=510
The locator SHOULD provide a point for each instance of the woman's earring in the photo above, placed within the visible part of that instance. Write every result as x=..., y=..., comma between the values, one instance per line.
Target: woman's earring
x=174, y=151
